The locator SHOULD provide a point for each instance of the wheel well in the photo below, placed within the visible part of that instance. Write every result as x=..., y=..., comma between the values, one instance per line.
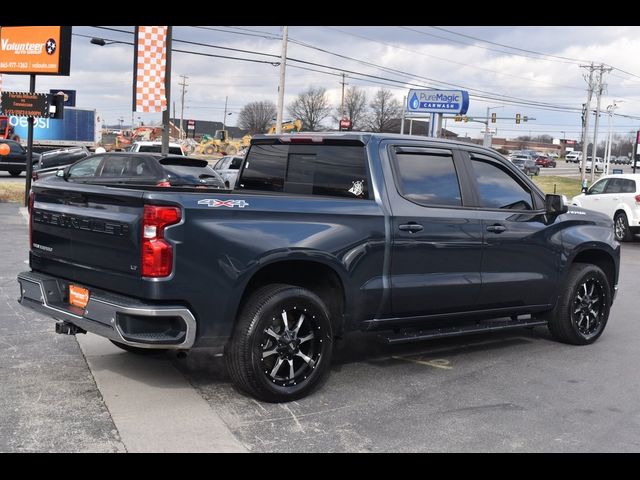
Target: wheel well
x=602, y=260
x=316, y=277
x=620, y=210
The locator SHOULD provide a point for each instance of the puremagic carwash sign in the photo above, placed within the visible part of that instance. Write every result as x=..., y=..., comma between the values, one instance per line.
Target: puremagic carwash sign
x=437, y=101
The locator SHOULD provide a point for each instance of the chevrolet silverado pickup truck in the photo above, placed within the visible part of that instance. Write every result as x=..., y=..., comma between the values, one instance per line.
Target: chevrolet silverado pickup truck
x=325, y=233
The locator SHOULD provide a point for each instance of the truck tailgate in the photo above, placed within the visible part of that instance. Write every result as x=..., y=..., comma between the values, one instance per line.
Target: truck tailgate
x=87, y=227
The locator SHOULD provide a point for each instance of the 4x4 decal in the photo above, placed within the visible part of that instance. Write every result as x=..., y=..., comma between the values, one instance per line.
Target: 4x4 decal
x=214, y=202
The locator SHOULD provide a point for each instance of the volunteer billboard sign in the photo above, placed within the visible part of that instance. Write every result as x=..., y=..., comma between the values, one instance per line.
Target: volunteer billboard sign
x=41, y=50
x=437, y=101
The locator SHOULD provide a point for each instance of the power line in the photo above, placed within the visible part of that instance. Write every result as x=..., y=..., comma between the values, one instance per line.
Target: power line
x=572, y=60
x=452, y=61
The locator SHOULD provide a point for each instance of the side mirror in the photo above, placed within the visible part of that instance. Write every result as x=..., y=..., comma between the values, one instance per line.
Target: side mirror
x=60, y=173
x=555, y=204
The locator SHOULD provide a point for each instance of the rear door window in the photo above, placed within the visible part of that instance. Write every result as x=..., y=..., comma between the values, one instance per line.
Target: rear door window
x=428, y=179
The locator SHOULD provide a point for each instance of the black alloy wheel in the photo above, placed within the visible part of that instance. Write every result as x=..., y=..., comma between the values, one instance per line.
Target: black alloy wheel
x=282, y=344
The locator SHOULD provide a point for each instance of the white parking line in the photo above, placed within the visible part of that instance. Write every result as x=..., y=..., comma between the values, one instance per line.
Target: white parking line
x=152, y=405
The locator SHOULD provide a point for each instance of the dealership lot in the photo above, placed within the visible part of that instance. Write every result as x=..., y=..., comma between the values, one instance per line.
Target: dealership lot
x=517, y=391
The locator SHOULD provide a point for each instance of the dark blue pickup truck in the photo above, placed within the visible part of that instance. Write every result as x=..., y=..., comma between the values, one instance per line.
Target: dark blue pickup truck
x=325, y=233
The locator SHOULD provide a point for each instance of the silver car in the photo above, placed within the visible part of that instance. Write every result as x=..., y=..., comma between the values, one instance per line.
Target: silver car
x=228, y=168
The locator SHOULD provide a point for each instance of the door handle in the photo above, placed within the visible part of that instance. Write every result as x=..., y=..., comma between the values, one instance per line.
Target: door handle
x=411, y=227
x=496, y=228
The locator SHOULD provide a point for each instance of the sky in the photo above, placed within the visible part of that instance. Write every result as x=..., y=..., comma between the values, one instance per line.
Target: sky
x=539, y=67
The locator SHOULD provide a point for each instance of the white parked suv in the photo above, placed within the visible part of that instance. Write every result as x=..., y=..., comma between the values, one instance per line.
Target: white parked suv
x=155, y=147
x=617, y=196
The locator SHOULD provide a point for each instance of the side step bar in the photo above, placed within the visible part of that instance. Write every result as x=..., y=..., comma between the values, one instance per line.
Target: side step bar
x=413, y=335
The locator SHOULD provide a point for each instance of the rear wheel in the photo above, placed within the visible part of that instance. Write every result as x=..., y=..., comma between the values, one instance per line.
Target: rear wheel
x=209, y=150
x=621, y=228
x=282, y=344
x=231, y=150
x=15, y=173
x=582, y=310
x=138, y=350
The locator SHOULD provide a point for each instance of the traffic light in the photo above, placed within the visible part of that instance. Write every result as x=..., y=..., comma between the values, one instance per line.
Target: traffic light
x=458, y=118
x=517, y=118
x=56, y=106
x=466, y=119
x=493, y=117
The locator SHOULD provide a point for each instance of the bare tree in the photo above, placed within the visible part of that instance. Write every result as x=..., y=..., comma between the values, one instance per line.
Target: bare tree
x=257, y=117
x=355, y=106
x=385, y=109
x=311, y=106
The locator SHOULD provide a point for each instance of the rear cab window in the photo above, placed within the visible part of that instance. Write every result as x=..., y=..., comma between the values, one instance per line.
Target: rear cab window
x=336, y=169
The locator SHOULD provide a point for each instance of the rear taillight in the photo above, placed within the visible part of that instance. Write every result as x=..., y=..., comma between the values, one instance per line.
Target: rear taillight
x=157, y=254
x=30, y=209
x=637, y=197
x=163, y=184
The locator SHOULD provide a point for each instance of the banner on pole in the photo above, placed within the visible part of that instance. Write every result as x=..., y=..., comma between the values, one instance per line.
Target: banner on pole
x=149, y=72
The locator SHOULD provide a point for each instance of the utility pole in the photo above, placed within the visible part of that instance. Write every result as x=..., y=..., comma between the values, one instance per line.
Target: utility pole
x=167, y=93
x=283, y=66
x=404, y=108
x=595, y=128
x=224, y=119
x=585, y=126
x=183, y=85
x=343, y=84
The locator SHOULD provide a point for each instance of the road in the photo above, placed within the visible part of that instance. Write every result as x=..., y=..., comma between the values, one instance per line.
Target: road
x=510, y=392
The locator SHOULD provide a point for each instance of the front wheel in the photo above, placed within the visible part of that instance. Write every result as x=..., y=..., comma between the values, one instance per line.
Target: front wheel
x=282, y=344
x=621, y=228
x=583, y=307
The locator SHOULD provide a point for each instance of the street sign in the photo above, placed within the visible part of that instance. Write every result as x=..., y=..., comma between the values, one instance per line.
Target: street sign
x=345, y=124
x=24, y=104
x=42, y=50
x=191, y=124
x=437, y=101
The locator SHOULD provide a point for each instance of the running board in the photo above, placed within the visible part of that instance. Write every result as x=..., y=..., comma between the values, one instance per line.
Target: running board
x=413, y=335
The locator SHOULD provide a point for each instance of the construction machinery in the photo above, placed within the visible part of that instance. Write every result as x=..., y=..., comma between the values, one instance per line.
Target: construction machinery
x=221, y=143
x=287, y=127
x=6, y=129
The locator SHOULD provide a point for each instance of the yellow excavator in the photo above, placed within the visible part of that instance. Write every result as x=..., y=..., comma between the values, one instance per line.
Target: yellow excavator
x=221, y=143
x=287, y=127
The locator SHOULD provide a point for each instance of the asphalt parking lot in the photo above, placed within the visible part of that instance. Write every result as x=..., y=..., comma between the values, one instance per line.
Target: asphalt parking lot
x=508, y=392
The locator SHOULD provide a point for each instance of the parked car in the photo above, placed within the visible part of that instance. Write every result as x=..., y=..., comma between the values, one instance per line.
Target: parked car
x=618, y=197
x=573, y=157
x=599, y=165
x=415, y=237
x=140, y=169
x=155, y=147
x=528, y=166
x=545, y=162
x=16, y=161
x=553, y=155
x=51, y=161
x=623, y=160
x=228, y=167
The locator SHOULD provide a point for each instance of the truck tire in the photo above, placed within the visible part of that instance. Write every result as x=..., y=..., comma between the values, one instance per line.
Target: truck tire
x=582, y=310
x=621, y=228
x=138, y=350
x=231, y=150
x=282, y=344
x=15, y=173
x=209, y=150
